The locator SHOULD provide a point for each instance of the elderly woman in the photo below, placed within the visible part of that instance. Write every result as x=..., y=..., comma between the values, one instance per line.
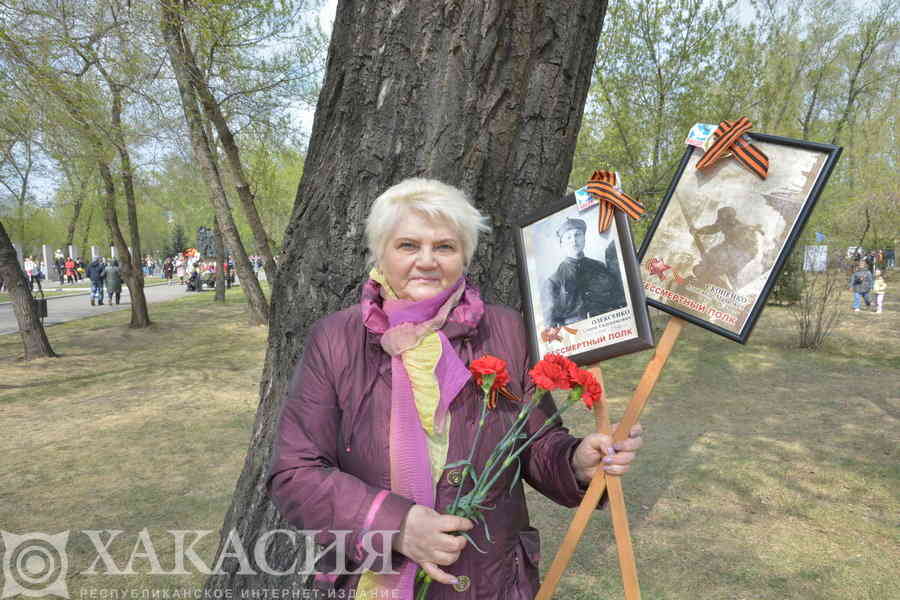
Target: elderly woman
x=382, y=399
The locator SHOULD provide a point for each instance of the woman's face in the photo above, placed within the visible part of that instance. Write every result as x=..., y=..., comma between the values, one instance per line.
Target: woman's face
x=422, y=257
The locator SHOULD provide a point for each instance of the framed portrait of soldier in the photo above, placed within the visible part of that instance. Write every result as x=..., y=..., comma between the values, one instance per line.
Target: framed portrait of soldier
x=581, y=288
x=722, y=234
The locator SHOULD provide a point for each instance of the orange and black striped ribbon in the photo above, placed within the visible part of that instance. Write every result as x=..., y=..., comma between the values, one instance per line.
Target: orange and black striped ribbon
x=602, y=186
x=730, y=138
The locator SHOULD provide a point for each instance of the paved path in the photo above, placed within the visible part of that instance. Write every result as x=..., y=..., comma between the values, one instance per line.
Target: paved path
x=68, y=308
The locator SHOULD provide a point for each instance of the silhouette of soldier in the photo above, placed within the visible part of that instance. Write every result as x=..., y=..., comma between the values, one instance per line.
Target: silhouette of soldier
x=721, y=264
x=581, y=287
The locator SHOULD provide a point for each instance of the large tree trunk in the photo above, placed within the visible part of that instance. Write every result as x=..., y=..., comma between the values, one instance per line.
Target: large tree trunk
x=232, y=153
x=128, y=264
x=487, y=96
x=172, y=30
x=31, y=330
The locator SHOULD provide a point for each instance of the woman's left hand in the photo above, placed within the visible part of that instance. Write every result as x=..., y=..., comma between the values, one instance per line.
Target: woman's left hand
x=598, y=450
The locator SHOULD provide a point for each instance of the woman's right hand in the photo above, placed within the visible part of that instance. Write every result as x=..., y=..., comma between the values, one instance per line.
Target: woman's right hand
x=424, y=538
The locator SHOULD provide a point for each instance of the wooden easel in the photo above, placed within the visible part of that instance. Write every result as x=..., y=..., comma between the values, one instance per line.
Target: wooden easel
x=613, y=485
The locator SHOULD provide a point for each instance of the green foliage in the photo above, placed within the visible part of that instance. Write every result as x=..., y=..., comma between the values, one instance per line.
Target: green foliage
x=822, y=70
x=789, y=285
x=274, y=170
x=178, y=242
x=61, y=61
x=656, y=66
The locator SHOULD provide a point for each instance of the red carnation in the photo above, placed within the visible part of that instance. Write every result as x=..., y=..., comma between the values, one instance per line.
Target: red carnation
x=553, y=372
x=590, y=388
x=490, y=365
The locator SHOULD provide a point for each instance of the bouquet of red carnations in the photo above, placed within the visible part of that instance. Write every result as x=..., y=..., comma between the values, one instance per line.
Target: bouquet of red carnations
x=553, y=372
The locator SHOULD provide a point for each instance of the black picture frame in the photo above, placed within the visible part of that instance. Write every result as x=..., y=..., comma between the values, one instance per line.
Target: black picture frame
x=616, y=332
x=715, y=267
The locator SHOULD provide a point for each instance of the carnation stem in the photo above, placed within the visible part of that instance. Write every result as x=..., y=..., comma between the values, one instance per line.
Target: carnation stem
x=422, y=592
x=546, y=424
x=505, y=444
x=573, y=396
x=485, y=388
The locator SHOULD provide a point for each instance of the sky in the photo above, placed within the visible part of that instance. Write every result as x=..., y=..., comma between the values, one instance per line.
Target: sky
x=326, y=22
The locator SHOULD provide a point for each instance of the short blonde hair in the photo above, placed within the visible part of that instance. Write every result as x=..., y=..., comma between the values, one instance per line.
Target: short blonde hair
x=432, y=198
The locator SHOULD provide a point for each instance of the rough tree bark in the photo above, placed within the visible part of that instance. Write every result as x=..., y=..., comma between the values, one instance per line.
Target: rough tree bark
x=172, y=30
x=214, y=115
x=31, y=330
x=220, y=261
x=487, y=96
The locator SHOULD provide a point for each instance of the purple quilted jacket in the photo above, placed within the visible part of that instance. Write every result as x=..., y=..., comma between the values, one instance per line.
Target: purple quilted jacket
x=330, y=469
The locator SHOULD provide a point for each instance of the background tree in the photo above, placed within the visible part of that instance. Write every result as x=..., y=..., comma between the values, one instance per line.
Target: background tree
x=31, y=330
x=60, y=54
x=172, y=26
x=658, y=64
x=490, y=99
x=19, y=159
x=821, y=70
x=178, y=241
x=219, y=29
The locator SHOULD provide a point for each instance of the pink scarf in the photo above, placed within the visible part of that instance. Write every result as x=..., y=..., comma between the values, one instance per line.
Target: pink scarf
x=402, y=324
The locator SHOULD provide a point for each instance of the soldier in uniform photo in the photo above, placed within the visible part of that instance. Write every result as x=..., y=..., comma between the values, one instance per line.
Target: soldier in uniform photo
x=581, y=287
x=721, y=265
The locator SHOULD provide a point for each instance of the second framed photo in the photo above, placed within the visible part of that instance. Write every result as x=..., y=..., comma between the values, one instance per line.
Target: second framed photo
x=581, y=289
x=722, y=235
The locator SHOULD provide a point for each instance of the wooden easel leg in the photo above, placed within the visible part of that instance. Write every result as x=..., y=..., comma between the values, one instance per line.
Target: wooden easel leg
x=600, y=482
x=618, y=512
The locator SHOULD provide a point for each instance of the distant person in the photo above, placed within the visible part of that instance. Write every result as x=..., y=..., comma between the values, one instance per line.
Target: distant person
x=59, y=263
x=861, y=284
x=114, y=281
x=581, y=287
x=870, y=261
x=71, y=276
x=30, y=269
x=179, y=268
x=889, y=258
x=195, y=282
x=879, y=287
x=169, y=270
x=96, y=272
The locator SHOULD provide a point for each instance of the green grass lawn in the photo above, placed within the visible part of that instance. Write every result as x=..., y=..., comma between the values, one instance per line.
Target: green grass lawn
x=767, y=473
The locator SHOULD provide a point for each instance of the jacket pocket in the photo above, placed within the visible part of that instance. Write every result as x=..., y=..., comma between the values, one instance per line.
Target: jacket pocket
x=527, y=557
